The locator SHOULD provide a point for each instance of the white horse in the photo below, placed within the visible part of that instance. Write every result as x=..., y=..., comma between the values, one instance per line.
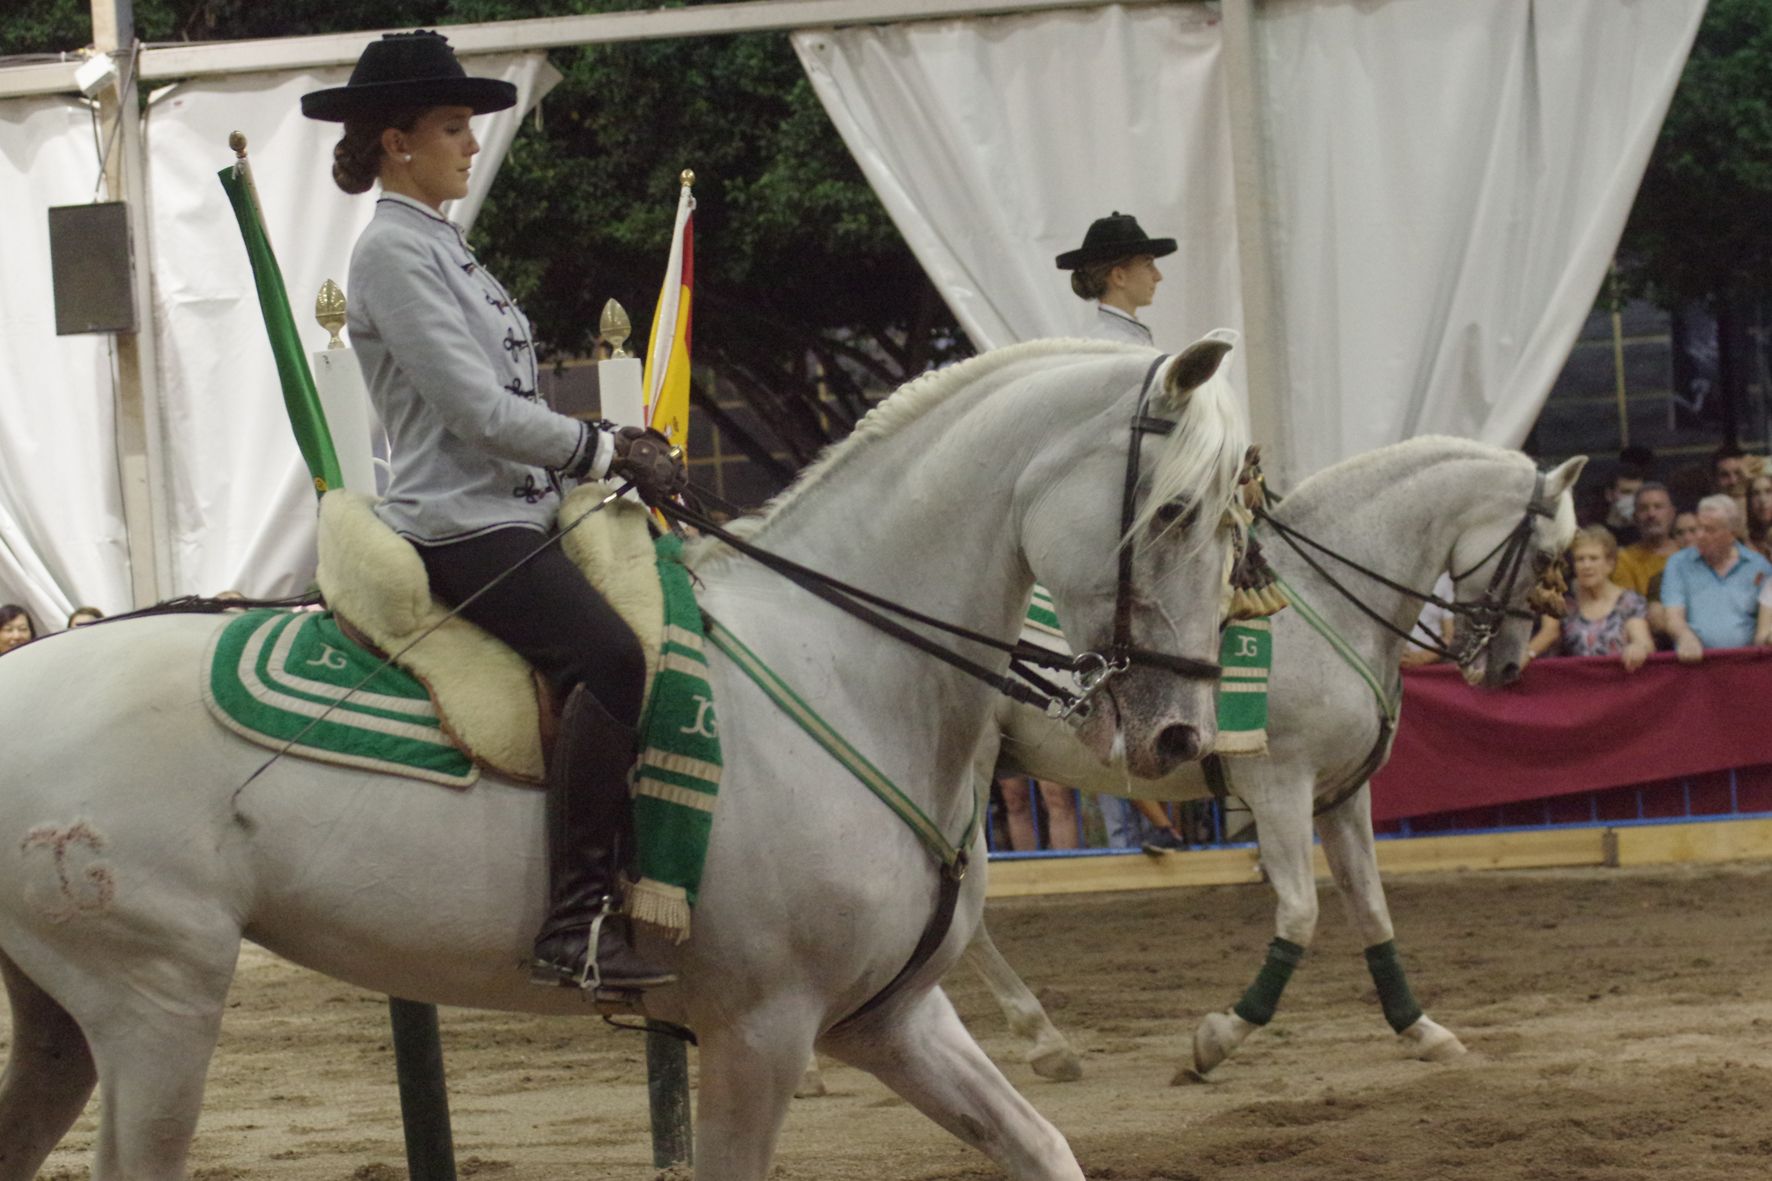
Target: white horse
x=1410, y=512
x=137, y=860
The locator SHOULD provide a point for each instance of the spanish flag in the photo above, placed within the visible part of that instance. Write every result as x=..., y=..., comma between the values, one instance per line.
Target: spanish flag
x=667, y=353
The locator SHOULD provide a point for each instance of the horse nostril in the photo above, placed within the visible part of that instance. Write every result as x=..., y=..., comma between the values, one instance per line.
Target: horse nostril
x=1510, y=673
x=1178, y=744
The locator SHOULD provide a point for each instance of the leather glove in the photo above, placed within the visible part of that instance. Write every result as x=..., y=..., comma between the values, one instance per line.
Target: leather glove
x=647, y=458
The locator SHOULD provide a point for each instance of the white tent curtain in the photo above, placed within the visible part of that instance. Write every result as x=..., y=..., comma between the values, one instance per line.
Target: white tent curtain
x=241, y=506
x=994, y=143
x=1445, y=182
x=62, y=539
x=1449, y=181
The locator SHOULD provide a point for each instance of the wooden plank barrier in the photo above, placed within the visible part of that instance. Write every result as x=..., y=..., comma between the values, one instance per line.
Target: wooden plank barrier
x=1704, y=842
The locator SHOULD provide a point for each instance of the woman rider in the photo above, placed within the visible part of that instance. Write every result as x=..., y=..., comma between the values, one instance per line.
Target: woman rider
x=479, y=466
x=1117, y=267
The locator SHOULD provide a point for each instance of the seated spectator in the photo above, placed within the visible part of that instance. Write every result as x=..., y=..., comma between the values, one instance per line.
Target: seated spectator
x=1684, y=533
x=1617, y=506
x=1601, y=618
x=1728, y=471
x=1643, y=559
x=1712, y=590
x=1759, y=514
x=16, y=628
x=84, y=615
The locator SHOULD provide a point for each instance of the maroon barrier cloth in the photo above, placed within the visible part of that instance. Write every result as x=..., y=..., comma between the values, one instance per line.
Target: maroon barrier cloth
x=1573, y=724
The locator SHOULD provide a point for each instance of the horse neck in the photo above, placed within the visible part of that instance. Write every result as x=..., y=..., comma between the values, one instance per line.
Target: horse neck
x=924, y=516
x=1398, y=514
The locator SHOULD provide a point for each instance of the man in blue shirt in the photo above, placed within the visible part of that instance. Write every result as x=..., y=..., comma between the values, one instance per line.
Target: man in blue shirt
x=1712, y=589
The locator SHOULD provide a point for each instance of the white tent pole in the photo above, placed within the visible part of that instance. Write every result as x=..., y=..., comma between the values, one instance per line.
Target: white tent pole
x=139, y=453
x=706, y=20
x=1262, y=328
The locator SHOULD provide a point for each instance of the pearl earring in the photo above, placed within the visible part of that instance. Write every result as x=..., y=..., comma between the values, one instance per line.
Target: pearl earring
x=406, y=157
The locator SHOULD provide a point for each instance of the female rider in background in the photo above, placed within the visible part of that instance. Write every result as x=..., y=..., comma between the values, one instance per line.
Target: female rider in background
x=480, y=465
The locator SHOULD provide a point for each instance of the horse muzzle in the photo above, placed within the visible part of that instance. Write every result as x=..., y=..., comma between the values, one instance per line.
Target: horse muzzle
x=1152, y=722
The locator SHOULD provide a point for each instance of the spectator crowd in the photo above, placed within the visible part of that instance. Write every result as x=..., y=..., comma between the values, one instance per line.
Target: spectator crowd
x=1652, y=571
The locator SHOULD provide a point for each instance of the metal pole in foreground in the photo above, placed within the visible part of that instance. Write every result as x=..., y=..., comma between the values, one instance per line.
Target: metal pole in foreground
x=424, y=1094
x=667, y=1091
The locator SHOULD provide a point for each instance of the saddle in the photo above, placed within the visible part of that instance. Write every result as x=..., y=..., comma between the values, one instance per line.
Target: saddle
x=491, y=701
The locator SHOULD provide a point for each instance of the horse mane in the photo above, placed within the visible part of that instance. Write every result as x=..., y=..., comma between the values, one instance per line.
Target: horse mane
x=1199, y=464
x=905, y=405
x=1452, y=446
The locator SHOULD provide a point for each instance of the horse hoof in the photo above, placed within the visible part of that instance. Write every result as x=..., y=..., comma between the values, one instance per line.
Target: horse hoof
x=1061, y=1065
x=1217, y=1038
x=1430, y=1041
x=811, y=1084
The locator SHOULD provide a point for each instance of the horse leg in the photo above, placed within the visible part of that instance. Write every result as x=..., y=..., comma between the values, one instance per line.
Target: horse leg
x=1352, y=854
x=1282, y=817
x=152, y=1050
x=925, y=1055
x=1048, y=1052
x=49, y=1076
x=748, y=1067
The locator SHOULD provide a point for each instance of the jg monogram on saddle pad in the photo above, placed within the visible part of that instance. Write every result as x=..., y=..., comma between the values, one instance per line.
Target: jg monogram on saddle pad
x=294, y=680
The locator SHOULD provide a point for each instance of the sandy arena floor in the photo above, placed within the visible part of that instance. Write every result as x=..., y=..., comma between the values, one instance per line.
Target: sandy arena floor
x=1619, y=1022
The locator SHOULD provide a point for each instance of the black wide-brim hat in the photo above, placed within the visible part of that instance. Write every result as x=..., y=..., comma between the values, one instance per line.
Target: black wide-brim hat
x=408, y=70
x=1113, y=237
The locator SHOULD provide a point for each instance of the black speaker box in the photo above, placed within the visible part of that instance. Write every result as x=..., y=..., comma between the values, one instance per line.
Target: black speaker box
x=89, y=264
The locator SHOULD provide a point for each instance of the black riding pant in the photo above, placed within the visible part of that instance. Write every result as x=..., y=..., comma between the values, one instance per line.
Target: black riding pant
x=547, y=612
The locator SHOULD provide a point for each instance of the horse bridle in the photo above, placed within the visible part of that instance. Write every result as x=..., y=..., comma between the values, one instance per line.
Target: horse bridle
x=1483, y=616
x=1093, y=670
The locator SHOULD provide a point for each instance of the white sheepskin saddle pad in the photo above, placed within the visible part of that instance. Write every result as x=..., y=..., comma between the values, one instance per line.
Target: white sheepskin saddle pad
x=485, y=692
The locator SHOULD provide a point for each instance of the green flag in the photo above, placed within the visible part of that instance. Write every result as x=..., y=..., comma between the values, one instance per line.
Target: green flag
x=306, y=417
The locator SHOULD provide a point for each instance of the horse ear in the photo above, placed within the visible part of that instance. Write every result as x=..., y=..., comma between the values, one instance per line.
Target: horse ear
x=1562, y=478
x=1196, y=364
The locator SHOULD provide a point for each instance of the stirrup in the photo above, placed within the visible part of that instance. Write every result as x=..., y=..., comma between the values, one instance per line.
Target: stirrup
x=589, y=978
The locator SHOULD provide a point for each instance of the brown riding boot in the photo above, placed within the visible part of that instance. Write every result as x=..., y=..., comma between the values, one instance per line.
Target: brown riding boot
x=586, y=812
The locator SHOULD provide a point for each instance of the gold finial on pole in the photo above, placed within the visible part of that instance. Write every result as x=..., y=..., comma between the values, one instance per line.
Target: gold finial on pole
x=687, y=177
x=243, y=170
x=329, y=309
x=615, y=328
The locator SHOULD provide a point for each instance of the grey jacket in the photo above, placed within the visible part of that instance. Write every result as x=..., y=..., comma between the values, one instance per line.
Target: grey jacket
x=1113, y=324
x=451, y=370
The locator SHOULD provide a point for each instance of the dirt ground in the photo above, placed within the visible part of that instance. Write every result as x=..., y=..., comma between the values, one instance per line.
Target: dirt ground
x=1619, y=1022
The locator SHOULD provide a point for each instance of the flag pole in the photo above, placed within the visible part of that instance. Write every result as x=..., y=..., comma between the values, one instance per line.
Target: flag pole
x=306, y=417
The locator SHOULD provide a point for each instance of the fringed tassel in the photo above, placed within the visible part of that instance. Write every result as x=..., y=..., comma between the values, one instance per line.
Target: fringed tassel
x=661, y=905
x=1241, y=742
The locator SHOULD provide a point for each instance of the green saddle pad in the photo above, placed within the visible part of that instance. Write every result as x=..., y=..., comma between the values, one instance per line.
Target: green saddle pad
x=271, y=674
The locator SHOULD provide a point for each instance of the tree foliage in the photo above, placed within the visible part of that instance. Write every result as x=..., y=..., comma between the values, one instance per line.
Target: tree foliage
x=1701, y=228
x=803, y=285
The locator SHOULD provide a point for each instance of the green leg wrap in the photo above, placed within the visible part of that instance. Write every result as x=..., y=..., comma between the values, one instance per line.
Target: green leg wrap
x=1399, y=1004
x=1258, y=1004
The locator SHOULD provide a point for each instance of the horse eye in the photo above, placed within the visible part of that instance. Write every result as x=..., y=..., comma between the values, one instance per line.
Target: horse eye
x=1175, y=512
x=1541, y=562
